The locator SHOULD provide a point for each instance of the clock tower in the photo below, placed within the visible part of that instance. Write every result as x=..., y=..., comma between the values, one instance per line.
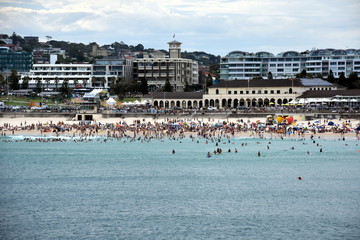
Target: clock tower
x=175, y=49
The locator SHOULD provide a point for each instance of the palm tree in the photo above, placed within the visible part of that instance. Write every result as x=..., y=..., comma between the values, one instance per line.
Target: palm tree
x=103, y=81
x=93, y=81
x=25, y=82
x=75, y=82
x=84, y=82
x=56, y=82
x=47, y=81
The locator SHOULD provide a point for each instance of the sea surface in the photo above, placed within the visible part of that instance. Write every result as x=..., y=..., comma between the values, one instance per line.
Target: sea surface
x=140, y=190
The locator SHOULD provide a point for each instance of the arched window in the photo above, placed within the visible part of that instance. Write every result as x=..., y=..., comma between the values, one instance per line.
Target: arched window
x=217, y=91
x=290, y=90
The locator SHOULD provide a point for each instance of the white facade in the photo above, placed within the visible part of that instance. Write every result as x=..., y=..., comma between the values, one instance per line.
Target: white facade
x=243, y=65
x=50, y=73
x=79, y=75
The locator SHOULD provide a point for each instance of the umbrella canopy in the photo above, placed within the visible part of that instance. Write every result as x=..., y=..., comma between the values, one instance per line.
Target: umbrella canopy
x=324, y=100
x=303, y=100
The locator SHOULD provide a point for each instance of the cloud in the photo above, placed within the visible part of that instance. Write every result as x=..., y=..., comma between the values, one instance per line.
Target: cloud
x=215, y=26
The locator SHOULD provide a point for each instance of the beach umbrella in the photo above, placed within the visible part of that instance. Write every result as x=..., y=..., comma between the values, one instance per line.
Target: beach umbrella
x=331, y=123
x=353, y=100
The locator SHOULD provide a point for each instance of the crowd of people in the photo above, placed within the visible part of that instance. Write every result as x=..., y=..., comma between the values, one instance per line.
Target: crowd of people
x=171, y=128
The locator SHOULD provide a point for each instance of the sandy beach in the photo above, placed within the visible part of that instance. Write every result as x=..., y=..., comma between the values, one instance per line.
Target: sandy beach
x=20, y=126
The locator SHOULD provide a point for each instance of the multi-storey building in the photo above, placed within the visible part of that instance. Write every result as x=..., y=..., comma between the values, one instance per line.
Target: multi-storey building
x=9, y=60
x=111, y=67
x=97, y=75
x=243, y=65
x=53, y=75
x=156, y=71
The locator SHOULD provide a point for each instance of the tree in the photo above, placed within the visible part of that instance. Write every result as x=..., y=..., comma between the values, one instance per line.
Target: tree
x=84, y=82
x=103, y=81
x=14, y=80
x=187, y=87
x=65, y=90
x=303, y=74
x=93, y=81
x=331, y=77
x=25, y=83
x=353, y=80
x=56, y=82
x=112, y=85
x=2, y=82
x=76, y=82
x=167, y=86
x=270, y=76
x=144, y=86
x=209, y=81
x=47, y=82
x=38, y=87
x=342, y=80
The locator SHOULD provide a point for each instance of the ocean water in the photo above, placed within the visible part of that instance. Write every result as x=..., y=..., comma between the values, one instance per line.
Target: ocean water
x=139, y=190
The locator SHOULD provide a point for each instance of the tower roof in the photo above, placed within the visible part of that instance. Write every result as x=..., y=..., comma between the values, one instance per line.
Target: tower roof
x=174, y=41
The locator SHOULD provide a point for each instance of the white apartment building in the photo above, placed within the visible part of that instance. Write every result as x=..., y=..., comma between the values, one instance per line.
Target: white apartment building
x=244, y=65
x=97, y=75
x=179, y=71
x=53, y=75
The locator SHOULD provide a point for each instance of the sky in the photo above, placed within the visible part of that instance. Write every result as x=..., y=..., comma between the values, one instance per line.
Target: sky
x=213, y=26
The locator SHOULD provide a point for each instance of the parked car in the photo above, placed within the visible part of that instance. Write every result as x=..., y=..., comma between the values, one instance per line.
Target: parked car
x=212, y=108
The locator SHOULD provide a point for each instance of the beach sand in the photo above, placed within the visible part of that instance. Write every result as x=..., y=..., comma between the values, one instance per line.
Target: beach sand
x=14, y=124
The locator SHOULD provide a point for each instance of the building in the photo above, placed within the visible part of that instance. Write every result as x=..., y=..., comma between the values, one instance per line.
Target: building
x=97, y=75
x=96, y=51
x=244, y=65
x=52, y=76
x=9, y=60
x=104, y=70
x=156, y=71
x=176, y=99
x=259, y=92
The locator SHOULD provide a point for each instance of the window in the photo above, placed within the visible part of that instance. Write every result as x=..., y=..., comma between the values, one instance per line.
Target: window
x=217, y=91
x=253, y=91
x=241, y=92
x=278, y=91
x=247, y=92
x=272, y=91
x=235, y=92
x=229, y=92
x=259, y=91
x=266, y=92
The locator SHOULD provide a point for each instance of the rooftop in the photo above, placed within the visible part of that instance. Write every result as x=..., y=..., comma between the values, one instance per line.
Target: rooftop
x=273, y=83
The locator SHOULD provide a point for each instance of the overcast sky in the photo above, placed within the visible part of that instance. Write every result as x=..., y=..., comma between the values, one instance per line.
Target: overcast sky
x=213, y=26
